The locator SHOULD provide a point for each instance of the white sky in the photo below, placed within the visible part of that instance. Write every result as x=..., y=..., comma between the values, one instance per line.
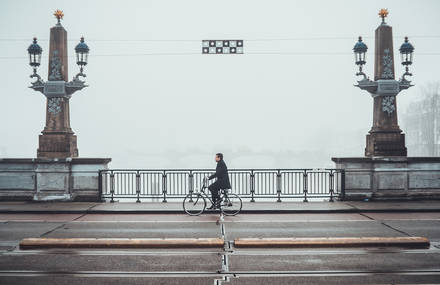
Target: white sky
x=294, y=109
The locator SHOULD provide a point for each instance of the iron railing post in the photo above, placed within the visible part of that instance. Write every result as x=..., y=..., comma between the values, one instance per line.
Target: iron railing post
x=191, y=184
x=343, y=184
x=305, y=186
x=331, y=185
x=112, y=186
x=164, y=187
x=278, y=186
x=138, y=186
x=252, y=181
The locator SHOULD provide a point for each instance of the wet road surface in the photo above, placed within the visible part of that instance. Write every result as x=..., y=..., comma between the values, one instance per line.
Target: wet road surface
x=219, y=266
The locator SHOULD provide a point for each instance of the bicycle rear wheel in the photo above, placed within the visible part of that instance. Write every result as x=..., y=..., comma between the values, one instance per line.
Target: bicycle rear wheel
x=231, y=204
x=194, y=204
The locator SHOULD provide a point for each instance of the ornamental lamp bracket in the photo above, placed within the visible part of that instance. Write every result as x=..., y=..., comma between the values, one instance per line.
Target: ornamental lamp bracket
x=38, y=85
x=58, y=88
x=384, y=87
x=368, y=85
x=74, y=85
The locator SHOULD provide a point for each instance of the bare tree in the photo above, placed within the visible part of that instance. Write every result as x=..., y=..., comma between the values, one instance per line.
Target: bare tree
x=422, y=122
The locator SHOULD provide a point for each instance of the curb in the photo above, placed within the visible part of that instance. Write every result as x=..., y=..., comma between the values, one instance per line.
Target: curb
x=320, y=242
x=46, y=243
x=407, y=242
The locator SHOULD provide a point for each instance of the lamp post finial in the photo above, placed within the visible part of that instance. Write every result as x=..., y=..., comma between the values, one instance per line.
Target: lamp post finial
x=59, y=15
x=383, y=13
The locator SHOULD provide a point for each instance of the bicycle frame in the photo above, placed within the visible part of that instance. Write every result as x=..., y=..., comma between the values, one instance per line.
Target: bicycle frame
x=224, y=201
x=205, y=195
x=203, y=192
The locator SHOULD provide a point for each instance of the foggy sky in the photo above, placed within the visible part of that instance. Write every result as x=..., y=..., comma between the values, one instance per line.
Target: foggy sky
x=284, y=103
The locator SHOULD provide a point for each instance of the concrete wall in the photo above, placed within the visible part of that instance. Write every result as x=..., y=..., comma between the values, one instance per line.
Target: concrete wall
x=71, y=179
x=390, y=177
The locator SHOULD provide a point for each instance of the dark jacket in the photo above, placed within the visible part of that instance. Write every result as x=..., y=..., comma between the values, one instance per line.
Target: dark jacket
x=221, y=173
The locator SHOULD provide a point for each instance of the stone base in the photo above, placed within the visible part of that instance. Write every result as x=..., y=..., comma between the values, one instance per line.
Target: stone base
x=70, y=179
x=56, y=145
x=385, y=144
x=390, y=177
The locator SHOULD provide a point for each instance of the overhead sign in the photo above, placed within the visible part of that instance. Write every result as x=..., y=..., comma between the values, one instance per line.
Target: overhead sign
x=222, y=46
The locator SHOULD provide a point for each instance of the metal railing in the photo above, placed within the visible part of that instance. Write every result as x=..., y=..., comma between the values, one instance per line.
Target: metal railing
x=248, y=183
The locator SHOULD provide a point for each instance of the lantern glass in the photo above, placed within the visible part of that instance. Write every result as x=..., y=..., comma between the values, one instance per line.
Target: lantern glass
x=81, y=58
x=407, y=58
x=34, y=59
x=360, y=58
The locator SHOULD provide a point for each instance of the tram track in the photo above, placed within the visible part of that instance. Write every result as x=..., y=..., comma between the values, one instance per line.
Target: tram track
x=232, y=273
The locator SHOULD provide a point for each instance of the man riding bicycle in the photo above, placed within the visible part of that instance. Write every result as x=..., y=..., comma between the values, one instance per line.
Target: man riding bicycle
x=221, y=173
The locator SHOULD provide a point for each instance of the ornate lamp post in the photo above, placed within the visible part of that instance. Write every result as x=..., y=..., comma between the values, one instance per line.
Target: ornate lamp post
x=385, y=137
x=386, y=171
x=57, y=139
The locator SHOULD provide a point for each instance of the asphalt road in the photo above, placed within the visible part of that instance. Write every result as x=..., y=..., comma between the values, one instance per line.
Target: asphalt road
x=220, y=266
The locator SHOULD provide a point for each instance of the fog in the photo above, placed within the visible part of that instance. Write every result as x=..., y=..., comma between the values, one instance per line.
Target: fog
x=155, y=101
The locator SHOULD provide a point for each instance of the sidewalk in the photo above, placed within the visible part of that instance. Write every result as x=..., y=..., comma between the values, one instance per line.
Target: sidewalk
x=257, y=207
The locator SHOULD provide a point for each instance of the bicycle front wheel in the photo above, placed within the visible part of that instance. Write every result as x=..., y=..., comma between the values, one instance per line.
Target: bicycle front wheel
x=231, y=204
x=194, y=204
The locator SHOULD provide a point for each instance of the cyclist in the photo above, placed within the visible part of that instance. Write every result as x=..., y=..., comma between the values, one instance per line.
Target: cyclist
x=221, y=173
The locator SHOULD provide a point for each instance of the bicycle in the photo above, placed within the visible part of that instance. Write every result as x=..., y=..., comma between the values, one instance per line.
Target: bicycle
x=194, y=204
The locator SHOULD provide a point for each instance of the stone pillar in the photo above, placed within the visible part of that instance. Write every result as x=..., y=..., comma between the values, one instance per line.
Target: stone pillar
x=57, y=139
x=385, y=137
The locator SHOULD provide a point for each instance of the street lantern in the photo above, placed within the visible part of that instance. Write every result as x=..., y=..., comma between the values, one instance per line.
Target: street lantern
x=82, y=52
x=360, y=50
x=406, y=53
x=35, y=51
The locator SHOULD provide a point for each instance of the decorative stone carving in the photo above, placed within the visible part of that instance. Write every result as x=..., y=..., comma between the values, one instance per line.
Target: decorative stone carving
x=55, y=67
x=54, y=105
x=387, y=62
x=388, y=105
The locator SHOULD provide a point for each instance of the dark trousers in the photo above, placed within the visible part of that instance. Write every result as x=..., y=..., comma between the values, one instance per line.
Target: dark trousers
x=215, y=188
